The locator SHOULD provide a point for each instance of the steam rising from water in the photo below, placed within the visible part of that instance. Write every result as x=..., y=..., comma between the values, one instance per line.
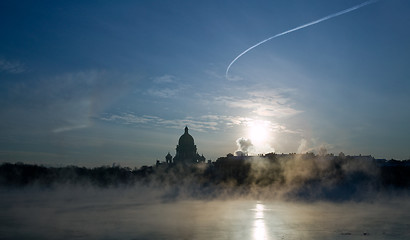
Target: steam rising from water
x=138, y=213
x=294, y=197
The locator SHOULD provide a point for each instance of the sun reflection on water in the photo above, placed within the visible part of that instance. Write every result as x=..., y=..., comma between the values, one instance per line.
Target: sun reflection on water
x=259, y=228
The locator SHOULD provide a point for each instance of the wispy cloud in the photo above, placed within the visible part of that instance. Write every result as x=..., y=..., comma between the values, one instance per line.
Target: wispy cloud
x=166, y=86
x=129, y=118
x=62, y=103
x=14, y=67
x=163, y=93
x=164, y=79
x=202, y=123
x=69, y=128
x=273, y=103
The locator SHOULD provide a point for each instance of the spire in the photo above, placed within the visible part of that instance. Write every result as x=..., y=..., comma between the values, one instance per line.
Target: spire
x=186, y=129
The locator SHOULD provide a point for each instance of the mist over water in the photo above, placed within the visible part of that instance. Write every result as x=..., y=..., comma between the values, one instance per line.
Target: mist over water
x=295, y=196
x=141, y=213
x=148, y=212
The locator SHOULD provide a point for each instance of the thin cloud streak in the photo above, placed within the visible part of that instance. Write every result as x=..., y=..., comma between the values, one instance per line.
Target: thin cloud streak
x=203, y=123
x=263, y=103
x=165, y=86
x=163, y=93
x=164, y=79
x=13, y=67
x=69, y=128
x=298, y=28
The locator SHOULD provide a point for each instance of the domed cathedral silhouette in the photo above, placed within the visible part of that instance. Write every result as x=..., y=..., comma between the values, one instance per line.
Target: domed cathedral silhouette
x=186, y=151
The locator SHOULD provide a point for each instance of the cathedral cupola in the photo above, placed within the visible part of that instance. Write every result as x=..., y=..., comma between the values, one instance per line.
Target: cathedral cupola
x=186, y=151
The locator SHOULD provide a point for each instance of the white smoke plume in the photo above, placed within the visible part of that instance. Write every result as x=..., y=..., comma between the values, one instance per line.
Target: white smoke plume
x=302, y=146
x=244, y=146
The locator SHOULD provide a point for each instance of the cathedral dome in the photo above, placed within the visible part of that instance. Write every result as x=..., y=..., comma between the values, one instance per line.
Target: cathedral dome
x=186, y=139
x=186, y=152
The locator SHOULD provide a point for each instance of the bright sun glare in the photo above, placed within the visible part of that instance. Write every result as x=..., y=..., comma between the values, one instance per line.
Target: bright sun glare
x=258, y=132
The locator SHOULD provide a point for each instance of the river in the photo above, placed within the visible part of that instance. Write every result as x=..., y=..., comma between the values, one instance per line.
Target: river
x=87, y=213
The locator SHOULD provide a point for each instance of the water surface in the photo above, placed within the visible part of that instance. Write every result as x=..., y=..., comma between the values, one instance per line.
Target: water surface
x=141, y=214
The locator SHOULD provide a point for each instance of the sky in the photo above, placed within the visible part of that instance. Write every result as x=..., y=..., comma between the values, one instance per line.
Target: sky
x=93, y=83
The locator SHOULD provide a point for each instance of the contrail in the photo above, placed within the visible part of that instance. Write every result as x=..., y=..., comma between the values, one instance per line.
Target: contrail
x=300, y=27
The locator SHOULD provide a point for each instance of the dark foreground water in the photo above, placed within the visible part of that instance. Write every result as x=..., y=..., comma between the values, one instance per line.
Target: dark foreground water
x=87, y=213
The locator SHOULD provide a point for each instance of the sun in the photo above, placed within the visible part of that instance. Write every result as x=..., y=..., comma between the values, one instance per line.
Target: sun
x=258, y=132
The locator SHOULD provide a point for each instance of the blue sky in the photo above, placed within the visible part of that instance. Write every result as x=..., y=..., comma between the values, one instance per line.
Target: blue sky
x=91, y=83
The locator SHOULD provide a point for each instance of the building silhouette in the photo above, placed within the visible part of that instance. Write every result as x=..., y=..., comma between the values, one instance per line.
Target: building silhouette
x=168, y=158
x=186, y=151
